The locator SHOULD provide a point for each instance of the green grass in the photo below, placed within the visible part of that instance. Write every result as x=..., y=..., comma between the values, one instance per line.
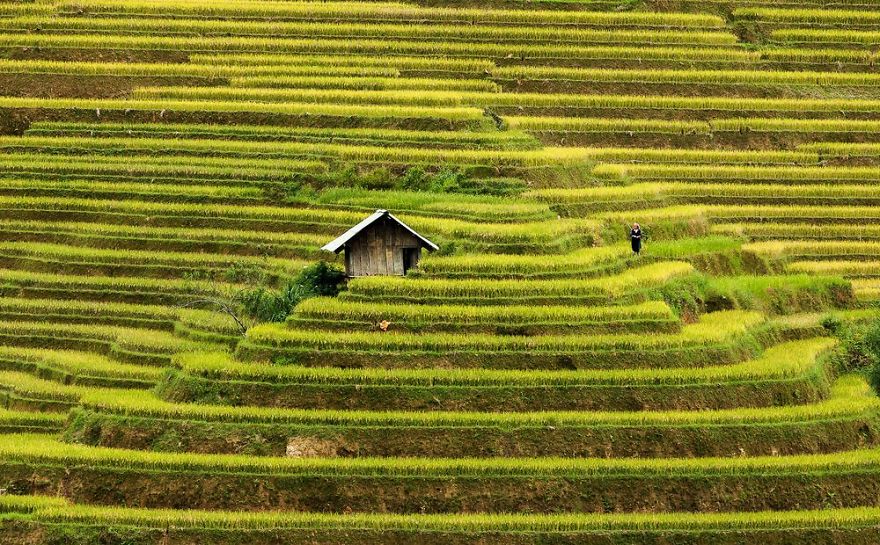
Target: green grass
x=43, y=450
x=385, y=11
x=734, y=78
x=850, y=397
x=54, y=511
x=280, y=62
x=354, y=136
x=77, y=367
x=506, y=290
x=815, y=248
x=712, y=328
x=587, y=261
x=779, y=363
x=331, y=313
x=355, y=30
x=738, y=173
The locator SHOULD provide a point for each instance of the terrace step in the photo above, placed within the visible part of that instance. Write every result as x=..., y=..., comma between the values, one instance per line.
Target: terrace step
x=788, y=373
x=486, y=485
x=44, y=515
x=850, y=416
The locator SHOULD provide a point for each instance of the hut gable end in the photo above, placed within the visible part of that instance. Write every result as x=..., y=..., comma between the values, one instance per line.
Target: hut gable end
x=380, y=245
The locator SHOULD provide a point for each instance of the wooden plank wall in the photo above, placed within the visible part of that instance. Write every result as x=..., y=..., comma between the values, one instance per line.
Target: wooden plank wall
x=378, y=249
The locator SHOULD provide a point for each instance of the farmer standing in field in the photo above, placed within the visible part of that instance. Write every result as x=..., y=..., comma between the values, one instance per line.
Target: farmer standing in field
x=635, y=236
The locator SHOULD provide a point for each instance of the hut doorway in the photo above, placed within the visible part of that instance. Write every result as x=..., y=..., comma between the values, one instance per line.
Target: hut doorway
x=410, y=259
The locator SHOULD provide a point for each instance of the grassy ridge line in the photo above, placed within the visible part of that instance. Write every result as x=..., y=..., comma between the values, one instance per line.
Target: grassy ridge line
x=827, y=214
x=43, y=450
x=496, y=35
x=272, y=218
x=280, y=62
x=796, y=194
x=208, y=71
x=815, y=248
x=711, y=328
x=453, y=205
x=180, y=290
x=690, y=77
x=808, y=37
x=610, y=287
x=850, y=397
x=585, y=262
x=797, y=231
x=140, y=341
x=739, y=173
x=159, y=239
x=811, y=17
x=330, y=313
x=54, y=510
x=605, y=125
x=350, y=46
x=451, y=107
x=500, y=139
x=694, y=127
x=517, y=100
x=217, y=170
x=71, y=366
x=472, y=116
x=866, y=289
x=13, y=420
x=651, y=194
x=828, y=425
x=848, y=268
x=200, y=192
x=782, y=362
x=497, y=159
x=843, y=150
x=814, y=59
x=577, y=263
x=144, y=316
x=790, y=373
x=825, y=58
x=159, y=233
x=61, y=253
x=366, y=83
x=24, y=384
x=42, y=397
x=385, y=11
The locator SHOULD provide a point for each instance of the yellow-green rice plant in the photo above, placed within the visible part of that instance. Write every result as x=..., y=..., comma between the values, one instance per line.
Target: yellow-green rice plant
x=843, y=267
x=612, y=286
x=768, y=523
x=785, y=361
x=824, y=38
x=388, y=11
x=324, y=309
x=365, y=83
x=851, y=397
x=684, y=77
x=356, y=30
x=712, y=328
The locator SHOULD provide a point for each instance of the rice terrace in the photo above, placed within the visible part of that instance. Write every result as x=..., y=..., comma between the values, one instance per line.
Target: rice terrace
x=430, y=272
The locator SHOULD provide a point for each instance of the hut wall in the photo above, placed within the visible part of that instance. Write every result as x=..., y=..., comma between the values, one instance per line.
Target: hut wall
x=378, y=250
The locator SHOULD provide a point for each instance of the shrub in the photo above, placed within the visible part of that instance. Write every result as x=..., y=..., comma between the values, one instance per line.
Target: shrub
x=266, y=305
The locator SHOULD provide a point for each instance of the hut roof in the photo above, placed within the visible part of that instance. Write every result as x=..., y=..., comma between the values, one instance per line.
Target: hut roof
x=339, y=242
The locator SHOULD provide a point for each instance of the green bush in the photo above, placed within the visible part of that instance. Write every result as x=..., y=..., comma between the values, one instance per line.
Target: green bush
x=264, y=304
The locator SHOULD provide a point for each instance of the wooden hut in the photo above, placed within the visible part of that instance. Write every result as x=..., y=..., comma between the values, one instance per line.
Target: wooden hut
x=380, y=245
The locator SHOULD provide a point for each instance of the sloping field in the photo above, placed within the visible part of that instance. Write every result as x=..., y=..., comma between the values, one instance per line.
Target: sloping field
x=169, y=171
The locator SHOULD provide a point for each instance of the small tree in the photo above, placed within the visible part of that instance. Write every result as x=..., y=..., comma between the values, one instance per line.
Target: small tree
x=268, y=305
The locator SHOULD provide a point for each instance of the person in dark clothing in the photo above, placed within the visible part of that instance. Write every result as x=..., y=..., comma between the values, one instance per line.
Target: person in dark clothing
x=635, y=236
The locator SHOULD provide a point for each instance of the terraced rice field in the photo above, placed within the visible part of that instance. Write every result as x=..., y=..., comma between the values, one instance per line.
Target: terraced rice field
x=165, y=164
